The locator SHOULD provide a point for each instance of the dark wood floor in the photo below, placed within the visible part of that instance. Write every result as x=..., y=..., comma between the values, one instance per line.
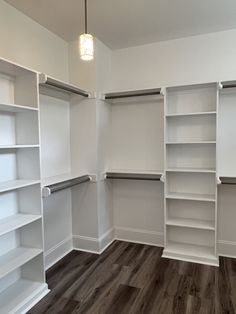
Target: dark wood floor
x=133, y=278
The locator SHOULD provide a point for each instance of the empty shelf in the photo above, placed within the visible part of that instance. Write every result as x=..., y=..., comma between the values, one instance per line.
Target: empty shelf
x=14, y=222
x=191, y=223
x=191, y=114
x=191, y=253
x=191, y=196
x=16, y=184
x=189, y=169
x=191, y=142
x=20, y=295
x=15, y=108
x=16, y=258
x=18, y=146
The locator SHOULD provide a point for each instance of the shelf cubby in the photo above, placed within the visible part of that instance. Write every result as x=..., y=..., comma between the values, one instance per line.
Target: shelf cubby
x=191, y=99
x=190, y=209
x=23, y=287
x=191, y=128
x=14, y=222
x=191, y=156
x=19, y=164
x=192, y=184
x=191, y=244
x=16, y=258
x=18, y=128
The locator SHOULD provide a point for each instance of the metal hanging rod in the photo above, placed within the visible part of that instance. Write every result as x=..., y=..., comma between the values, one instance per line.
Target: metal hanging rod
x=50, y=82
x=228, y=84
x=133, y=176
x=228, y=180
x=48, y=190
x=129, y=94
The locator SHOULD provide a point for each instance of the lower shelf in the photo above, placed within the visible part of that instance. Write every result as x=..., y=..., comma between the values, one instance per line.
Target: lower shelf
x=191, y=196
x=16, y=258
x=191, y=253
x=191, y=223
x=21, y=296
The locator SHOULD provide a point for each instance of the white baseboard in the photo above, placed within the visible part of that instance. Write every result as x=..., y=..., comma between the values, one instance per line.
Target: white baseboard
x=139, y=236
x=93, y=245
x=227, y=248
x=53, y=255
x=98, y=245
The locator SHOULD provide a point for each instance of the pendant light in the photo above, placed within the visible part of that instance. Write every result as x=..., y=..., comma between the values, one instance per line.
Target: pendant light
x=86, y=41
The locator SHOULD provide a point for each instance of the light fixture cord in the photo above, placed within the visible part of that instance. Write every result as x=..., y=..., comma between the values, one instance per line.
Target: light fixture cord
x=86, y=18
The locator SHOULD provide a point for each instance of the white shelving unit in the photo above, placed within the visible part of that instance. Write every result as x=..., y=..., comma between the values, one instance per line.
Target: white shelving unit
x=190, y=173
x=21, y=229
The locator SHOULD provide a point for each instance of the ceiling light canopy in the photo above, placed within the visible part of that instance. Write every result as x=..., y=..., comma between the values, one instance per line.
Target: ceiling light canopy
x=86, y=41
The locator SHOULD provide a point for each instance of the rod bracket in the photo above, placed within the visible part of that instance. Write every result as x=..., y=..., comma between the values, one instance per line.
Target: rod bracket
x=163, y=91
x=220, y=85
x=162, y=178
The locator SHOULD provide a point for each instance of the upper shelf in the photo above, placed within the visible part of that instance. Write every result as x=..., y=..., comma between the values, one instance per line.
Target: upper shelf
x=13, y=69
x=122, y=96
x=191, y=114
x=59, y=86
x=16, y=108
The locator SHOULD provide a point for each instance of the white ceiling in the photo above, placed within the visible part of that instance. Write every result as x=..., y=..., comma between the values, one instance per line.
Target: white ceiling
x=125, y=23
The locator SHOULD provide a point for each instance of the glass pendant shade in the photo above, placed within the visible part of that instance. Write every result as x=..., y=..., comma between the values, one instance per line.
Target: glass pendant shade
x=86, y=47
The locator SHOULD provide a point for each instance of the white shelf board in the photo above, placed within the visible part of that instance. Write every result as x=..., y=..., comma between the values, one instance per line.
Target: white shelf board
x=17, y=221
x=16, y=258
x=191, y=196
x=191, y=253
x=21, y=295
x=16, y=108
x=18, y=146
x=189, y=169
x=191, y=223
x=16, y=184
x=191, y=114
x=60, y=178
x=136, y=171
x=191, y=142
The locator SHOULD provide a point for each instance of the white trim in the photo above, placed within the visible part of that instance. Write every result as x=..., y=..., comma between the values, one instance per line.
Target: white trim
x=35, y=299
x=93, y=245
x=86, y=244
x=139, y=236
x=56, y=253
x=227, y=248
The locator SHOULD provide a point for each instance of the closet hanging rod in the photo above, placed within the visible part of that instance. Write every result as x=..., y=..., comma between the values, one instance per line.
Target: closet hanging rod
x=52, y=188
x=50, y=82
x=228, y=180
x=133, y=176
x=229, y=84
x=129, y=94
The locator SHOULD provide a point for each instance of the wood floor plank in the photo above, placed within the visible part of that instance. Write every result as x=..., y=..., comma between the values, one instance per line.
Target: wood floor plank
x=133, y=278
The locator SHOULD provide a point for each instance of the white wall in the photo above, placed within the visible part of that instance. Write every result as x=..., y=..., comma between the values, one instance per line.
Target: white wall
x=26, y=42
x=202, y=58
